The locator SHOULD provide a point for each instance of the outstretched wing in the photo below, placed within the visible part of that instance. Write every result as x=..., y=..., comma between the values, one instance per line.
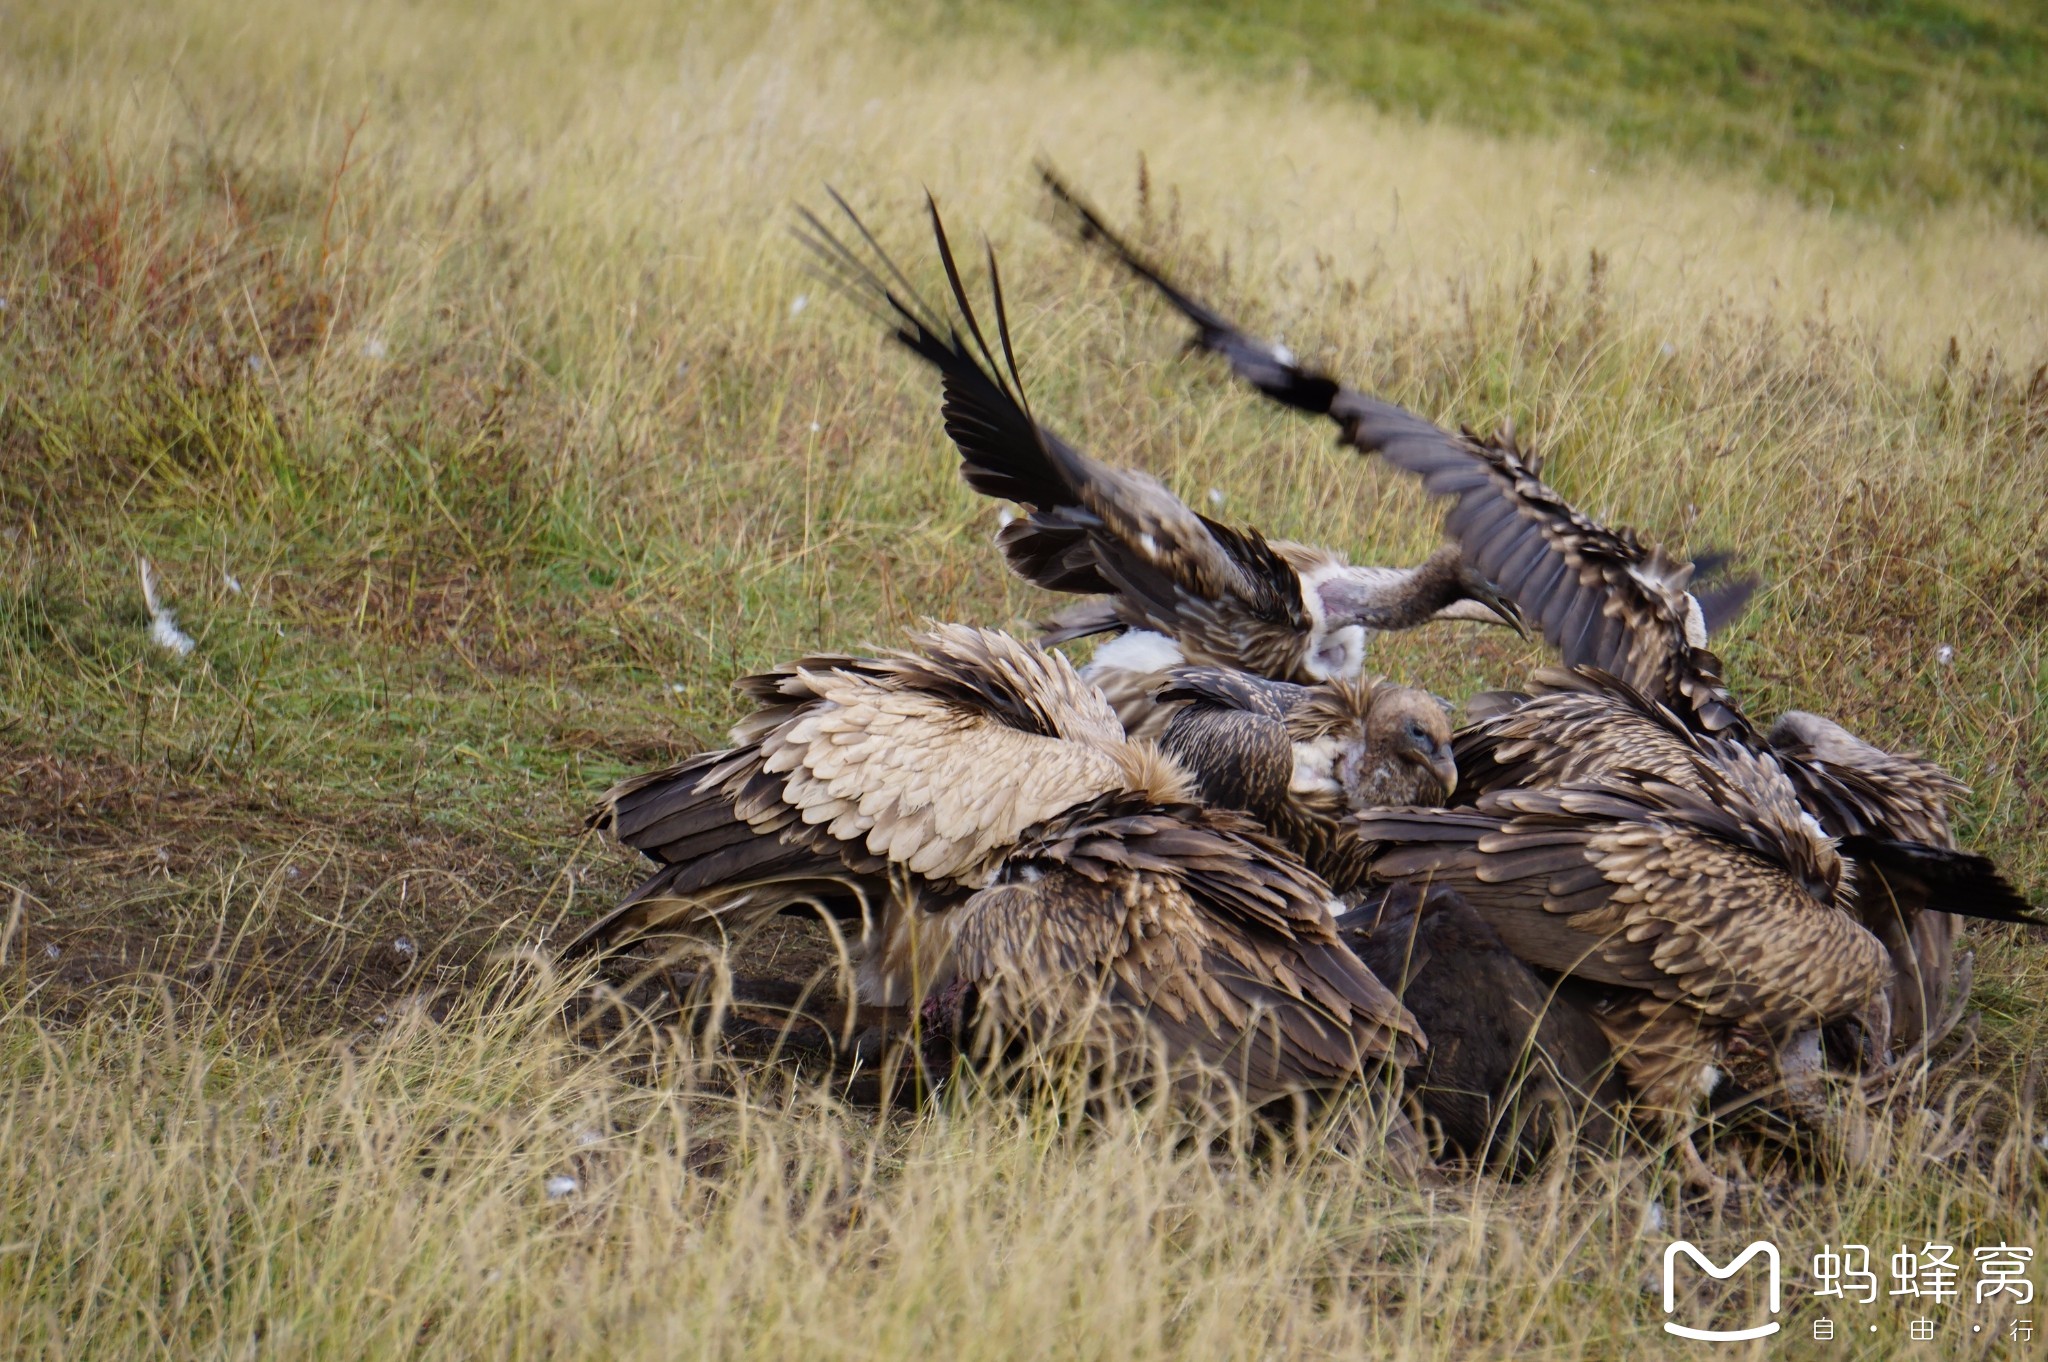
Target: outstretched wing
x=926, y=764
x=1646, y=888
x=1599, y=596
x=1090, y=528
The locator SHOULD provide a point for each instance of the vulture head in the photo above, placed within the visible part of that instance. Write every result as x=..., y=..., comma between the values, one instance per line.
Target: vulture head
x=1376, y=744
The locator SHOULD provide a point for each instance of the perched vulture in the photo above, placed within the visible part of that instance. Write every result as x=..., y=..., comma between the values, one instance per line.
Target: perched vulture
x=1678, y=870
x=1301, y=759
x=1620, y=614
x=1213, y=595
x=977, y=808
x=1516, y=1066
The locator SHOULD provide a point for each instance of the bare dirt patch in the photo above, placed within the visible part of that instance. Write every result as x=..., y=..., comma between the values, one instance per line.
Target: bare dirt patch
x=122, y=877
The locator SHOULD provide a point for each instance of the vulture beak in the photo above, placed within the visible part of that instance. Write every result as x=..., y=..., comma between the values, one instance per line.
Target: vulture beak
x=1494, y=599
x=1445, y=769
x=1477, y=588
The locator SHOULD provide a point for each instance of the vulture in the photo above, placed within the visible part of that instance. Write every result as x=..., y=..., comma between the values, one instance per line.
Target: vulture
x=1011, y=855
x=1192, y=589
x=1301, y=759
x=1632, y=634
x=1516, y=1069
x=1675, y=869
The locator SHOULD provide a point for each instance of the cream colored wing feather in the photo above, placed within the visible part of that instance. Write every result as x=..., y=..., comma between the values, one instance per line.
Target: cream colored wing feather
x=921, y=783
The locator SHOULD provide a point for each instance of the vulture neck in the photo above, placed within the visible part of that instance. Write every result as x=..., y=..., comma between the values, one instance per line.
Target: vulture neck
x=1412, y=598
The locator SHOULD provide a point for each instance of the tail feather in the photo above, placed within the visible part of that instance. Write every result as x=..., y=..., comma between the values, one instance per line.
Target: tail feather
x=1960, y=882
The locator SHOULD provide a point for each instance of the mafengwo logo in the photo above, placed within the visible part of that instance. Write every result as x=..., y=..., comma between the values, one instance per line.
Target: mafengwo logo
x=1762, y=1247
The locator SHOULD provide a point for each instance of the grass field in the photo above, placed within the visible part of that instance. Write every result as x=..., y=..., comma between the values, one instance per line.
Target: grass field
x=1879, y=108
x=457, y=375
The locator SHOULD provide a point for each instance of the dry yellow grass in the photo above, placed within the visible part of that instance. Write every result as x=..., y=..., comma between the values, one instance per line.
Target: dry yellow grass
x=187, y=1186
x=568, y=427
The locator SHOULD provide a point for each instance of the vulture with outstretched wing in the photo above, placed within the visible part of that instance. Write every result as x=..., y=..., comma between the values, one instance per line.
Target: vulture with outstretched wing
x=1600, y=596
x=1218, y=595
x=975, y=806
x=1632, y=634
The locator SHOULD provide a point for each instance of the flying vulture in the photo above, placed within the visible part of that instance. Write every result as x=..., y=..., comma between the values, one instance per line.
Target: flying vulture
x=1209, y=594
x=1633, y=635
x=1008, y=854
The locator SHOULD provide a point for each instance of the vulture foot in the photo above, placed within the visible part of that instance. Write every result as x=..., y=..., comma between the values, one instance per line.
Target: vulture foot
x=1700, y=1177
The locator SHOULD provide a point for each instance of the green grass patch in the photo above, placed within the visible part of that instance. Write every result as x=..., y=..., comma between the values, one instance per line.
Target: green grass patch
x=1881, y=107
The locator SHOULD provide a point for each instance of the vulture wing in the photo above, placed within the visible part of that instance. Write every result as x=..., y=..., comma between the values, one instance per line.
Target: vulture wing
x=1647, y=886
x=1198, y=932
x=1089, y=527
x=1599, y=596
x=928, y=763
x=1241, y=759
x=1580, y=724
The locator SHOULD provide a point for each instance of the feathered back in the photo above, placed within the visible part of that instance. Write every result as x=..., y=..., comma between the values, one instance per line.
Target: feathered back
x=1858, y=789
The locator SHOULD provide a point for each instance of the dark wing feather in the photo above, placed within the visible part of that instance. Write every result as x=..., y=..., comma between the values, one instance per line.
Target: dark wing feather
x=1578, y=725
x=1089, y=527
x=1601, y=597
x=1854, y=787
x=1265, y=367
x=1960, y=882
